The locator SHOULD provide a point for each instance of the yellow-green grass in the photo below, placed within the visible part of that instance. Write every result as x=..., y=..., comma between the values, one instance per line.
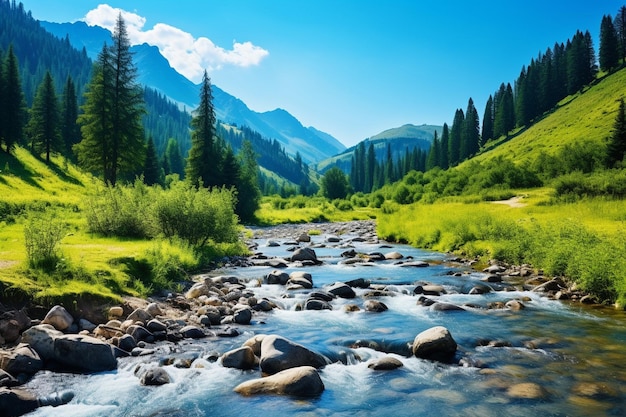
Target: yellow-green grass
x=586, y=116
x=314, y=210
x=581, y=240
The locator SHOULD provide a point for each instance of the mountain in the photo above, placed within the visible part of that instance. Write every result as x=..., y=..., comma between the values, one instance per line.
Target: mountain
x=156, y=72
x=400, y=139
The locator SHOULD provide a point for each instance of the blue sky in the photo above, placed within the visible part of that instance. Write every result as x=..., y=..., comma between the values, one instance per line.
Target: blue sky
x=351, y=68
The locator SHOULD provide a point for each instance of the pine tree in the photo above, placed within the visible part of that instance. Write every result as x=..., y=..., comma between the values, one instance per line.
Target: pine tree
x=470, y=134
x=229, y=168
x=443, y=156
x=370, y=165
x=44, y=124
x=70, y=131
x=620, y=27
x=14, y=104
x=389, y=168
x=151, y=168
x=504, y=120
x=249, y=194
x=609, y=46
x=203, y=160
x=487, y=132
x=617, y=143
x=434, y=158
x=456, y=133
x=113, y=142
x=175, y=162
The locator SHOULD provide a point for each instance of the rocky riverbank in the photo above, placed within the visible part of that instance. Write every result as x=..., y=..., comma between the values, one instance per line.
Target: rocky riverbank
x=220, y=306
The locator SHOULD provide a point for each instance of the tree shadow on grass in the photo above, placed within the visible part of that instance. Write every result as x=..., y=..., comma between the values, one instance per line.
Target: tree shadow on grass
x=10, y=165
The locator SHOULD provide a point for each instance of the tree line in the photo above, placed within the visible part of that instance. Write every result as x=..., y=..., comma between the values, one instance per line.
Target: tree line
x=550, y=77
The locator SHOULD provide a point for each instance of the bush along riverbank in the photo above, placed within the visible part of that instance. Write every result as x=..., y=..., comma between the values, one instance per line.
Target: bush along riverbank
x=226, y=307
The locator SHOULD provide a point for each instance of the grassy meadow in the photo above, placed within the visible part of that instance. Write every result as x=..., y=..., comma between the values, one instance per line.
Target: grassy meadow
x=86, y=265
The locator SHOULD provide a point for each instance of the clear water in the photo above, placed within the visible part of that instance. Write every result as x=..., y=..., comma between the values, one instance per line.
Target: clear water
x=578, y=357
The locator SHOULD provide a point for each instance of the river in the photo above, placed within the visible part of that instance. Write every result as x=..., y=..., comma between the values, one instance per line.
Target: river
x=550, y=358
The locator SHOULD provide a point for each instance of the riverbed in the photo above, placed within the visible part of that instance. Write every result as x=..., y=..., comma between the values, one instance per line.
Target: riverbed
x=549, y=358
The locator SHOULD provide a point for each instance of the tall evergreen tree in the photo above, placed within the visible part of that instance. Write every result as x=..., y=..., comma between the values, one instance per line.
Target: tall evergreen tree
x=113, y=139
x=389, y=174
x=617, y=143
x=151, y=168
x=174, y=159
x=14, y=105
x=229, y=168
x=370, y=165
x=609, y=45
x=44, y=128
x=470, y=134
x=456, y=133
x=249, y=194
x=70, y=131
x=504, y=120
x=620, y=27
x=203, y=160
x=444, y=163
x=434, y=156
x=487, y=132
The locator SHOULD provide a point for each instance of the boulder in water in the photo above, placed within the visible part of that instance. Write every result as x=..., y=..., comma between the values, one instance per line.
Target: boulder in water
x=240, y=358
x=302, y=381
x=435, y=343
x=386, y=363
x=278, y=354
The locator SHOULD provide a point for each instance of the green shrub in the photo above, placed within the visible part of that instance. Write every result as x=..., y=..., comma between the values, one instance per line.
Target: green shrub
x=123, y=211
x=43, y=233
x=196, y=215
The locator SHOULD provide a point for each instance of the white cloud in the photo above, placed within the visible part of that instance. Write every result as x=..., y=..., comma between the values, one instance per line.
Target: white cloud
x=187, y=55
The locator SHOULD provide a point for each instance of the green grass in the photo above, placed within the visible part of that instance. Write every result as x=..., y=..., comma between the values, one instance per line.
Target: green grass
x=89, y=267
x=587, y=116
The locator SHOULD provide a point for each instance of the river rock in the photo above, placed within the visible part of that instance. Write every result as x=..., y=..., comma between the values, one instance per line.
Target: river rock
x=59, y=318
x=304, y=237
x=23, y=359
x=415, y=264
x=116, y=312
x=155, y=325
x=192, y=332
x=526, y=390
x=76, y=352
x=515, y=305
x=494, y=269
x=278, y=353
x=84, y=353
x=446, y=307
x=304, y=254
x=254, y=343
x=393, y=255
x=127, y=343
x=375, y=306
x=198, y=289
x=386, y=363
x=154, y=310
x=7, y=380
x=154, y=376
x=375, y=257
x=140, y=333
x=240, y=358
x=16, y=402
x=303, y=381
x=341, y=290
x=277, y=277
x=333, y=239
x=359, y=283
x=435, y=343
x=139, y=315
x=12, y=323
x=429, y=289
x=243, y=316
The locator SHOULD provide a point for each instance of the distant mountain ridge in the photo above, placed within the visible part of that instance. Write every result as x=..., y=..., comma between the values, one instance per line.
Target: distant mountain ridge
x=156, y=72
x=399, y=139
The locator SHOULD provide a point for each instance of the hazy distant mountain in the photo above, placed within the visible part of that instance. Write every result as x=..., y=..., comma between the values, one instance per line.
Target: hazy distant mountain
x=399, y=139
x=156, y=72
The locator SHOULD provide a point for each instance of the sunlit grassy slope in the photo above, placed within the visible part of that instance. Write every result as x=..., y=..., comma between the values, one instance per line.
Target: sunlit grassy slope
x=589, y=115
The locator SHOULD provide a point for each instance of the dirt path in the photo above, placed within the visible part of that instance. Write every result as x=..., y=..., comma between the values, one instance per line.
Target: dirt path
x=515, y=202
